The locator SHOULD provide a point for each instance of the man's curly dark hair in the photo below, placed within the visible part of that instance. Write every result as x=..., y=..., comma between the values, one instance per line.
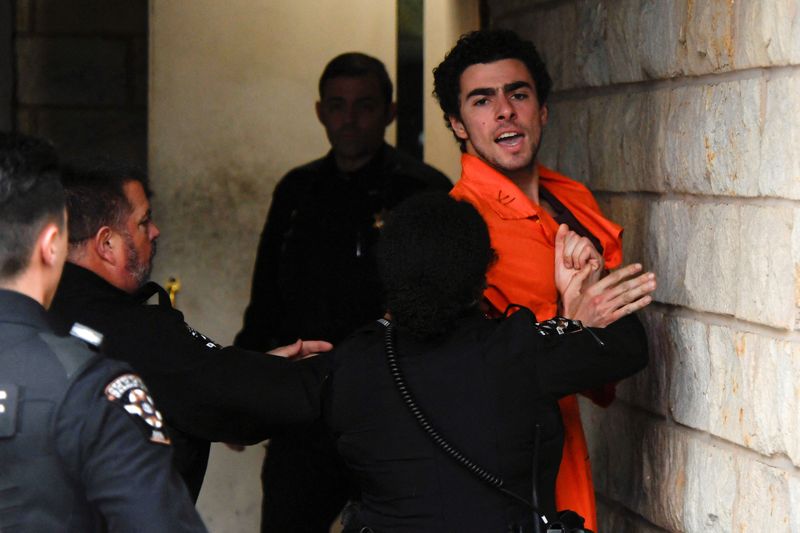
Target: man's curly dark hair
x=432, y=257
x=485, y=46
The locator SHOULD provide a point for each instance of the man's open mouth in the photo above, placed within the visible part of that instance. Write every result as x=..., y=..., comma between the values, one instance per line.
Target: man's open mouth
x=509, y=138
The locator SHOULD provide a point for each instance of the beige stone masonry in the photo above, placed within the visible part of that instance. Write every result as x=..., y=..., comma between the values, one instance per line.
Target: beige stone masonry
x=730, y=138
x=620, y=41
x=684, y=117
x=683, y=481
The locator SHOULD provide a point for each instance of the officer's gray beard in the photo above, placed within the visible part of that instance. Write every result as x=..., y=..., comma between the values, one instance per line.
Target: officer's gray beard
x=139, y=270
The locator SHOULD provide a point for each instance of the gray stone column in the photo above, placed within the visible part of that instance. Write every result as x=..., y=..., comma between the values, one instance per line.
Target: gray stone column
x=684, y=117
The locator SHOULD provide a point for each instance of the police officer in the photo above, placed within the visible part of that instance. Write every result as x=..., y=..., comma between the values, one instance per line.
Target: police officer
x=207, y=392
x=82, y=447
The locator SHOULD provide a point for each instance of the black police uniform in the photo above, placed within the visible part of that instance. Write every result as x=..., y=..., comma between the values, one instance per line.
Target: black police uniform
x=316, y=277
x=206, y=392
x=82, y=447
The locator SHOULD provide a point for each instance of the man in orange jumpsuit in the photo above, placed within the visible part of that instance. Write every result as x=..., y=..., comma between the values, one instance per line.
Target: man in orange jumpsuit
x=492, y=87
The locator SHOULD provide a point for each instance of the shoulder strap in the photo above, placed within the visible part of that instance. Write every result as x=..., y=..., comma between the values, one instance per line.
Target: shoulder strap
x=73, y=354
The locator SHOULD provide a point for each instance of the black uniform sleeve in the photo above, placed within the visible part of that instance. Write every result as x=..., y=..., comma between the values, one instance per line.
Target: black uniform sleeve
x=575, y=362
x=263, y=311
x=126, y=475
x=217, y=394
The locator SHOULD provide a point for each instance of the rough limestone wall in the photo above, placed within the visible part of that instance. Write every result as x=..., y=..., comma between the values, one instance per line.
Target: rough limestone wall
x=684, y=117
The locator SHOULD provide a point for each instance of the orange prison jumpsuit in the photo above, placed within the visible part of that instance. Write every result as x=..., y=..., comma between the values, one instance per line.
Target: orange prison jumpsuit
x=523, y=235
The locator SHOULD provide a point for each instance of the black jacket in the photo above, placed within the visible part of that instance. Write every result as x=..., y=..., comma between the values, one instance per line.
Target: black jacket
x=485, y=388
x=74, y=455
x=315, y=275
x=206, y=392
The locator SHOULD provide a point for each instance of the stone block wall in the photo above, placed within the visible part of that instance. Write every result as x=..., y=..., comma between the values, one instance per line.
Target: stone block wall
x=684, y=117
x=81, y=75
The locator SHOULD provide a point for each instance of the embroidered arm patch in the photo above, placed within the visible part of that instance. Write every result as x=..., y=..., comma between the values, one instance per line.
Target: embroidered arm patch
x=130, y=392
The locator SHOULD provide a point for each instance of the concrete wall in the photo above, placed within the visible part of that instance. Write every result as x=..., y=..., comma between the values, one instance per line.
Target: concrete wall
x=81, y=77
x=232, y=92
x=684, y=116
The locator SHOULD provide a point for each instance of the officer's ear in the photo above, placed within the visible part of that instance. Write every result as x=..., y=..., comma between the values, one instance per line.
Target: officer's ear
x=50, y=244
x=105, y=244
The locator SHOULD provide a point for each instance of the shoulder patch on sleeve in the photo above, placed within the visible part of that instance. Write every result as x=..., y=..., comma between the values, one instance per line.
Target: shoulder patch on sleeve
x=130, y=392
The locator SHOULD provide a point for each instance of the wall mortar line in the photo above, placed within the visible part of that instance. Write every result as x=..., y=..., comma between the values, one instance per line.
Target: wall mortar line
x=712, y=318
x=645, y=86
x=701, y=198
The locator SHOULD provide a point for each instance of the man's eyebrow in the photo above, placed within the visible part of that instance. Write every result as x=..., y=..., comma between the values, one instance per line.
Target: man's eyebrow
x=508, y=87
x=482, y=91
x=513, y=86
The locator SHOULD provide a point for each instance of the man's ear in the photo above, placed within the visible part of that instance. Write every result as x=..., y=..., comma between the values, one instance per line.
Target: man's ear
x=104, y=245
x=543, y=114
x=391, y=113
x=458, y=127
x=48, y=244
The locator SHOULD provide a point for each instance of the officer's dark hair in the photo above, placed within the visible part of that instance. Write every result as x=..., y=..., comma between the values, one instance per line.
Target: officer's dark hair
x=30, y=198
x=485, y=46
x=432, y=257
x=357, y=65
x=96, y=196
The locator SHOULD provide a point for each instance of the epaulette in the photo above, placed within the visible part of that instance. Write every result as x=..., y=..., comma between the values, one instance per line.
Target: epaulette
x=148, y=290
x=88, y=335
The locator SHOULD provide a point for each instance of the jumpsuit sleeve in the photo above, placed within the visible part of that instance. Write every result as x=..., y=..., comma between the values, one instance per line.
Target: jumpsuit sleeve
x=127, y=475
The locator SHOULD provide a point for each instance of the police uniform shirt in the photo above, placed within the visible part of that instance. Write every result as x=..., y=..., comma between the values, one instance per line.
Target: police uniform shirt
x=206, y=392
x=82, y=447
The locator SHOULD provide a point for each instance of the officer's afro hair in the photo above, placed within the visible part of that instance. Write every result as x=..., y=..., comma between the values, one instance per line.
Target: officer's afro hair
x=432, y=257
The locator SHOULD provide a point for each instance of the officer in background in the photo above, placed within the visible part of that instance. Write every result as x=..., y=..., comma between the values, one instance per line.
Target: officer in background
x=81, y=444
x=331, y=208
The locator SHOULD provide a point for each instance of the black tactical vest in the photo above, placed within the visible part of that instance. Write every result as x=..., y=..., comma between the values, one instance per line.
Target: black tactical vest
x=39, y=491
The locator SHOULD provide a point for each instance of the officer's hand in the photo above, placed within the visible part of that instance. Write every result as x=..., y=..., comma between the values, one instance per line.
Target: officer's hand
x=301, y=349
x=621, y=293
